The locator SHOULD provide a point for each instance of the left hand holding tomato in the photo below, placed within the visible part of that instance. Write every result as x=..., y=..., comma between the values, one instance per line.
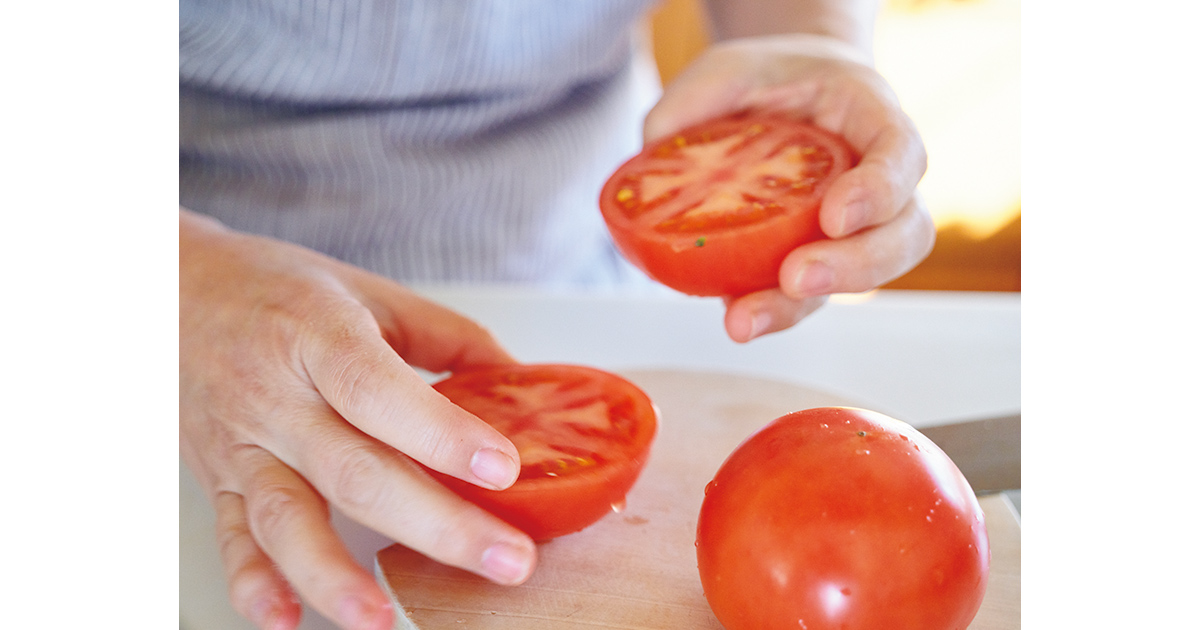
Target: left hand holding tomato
x=878, y=226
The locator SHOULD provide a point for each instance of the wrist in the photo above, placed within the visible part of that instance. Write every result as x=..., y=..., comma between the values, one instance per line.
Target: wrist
x=813, y=45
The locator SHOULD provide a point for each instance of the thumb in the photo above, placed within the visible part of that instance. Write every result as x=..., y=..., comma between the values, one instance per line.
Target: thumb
x=426, y=334
x=711, y=86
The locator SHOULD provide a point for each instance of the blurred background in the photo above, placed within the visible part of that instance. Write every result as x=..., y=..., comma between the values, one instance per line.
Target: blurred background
x=955, y=65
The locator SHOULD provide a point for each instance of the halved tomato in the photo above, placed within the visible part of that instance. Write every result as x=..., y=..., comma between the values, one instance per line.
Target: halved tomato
x=714, y=209
x=583, y=436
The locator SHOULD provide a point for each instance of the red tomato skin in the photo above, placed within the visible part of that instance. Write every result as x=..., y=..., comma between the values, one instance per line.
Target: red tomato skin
x=549, y=507
x=725, y=264
x=841, y=518
x=724, y=261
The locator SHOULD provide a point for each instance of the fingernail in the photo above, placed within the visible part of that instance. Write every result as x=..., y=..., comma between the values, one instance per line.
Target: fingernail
x=854, y=217
x=265, y=614
x=759, y=324
x=815, y=278
x=275, y=614
x=493, y=468
x=507, y=564
x=361, y=614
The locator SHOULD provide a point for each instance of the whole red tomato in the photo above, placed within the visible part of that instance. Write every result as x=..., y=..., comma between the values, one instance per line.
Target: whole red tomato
x=583, y=436
x=841, y=518
x=715, y=208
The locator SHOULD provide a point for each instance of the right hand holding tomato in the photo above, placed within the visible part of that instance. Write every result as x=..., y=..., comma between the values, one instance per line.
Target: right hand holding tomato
x=877, y=225
x=296, y=392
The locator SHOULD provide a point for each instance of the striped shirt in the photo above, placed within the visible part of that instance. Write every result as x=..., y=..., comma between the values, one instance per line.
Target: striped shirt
x=425, y=140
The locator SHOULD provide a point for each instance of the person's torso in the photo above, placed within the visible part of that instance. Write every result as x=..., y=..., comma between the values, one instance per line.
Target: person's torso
x=426, y=140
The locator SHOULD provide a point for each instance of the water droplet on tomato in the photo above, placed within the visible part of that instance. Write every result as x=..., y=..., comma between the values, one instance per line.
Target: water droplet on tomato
x=709, y=486
x=618, y=506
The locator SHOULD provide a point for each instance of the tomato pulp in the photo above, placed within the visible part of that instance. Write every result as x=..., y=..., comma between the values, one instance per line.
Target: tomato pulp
x=841, y=518
x=583, y=436
x=715, y=208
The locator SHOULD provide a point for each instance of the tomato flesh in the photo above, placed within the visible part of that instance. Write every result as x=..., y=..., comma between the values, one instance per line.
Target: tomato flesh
x=841, y=518
x=583, y=436
x=714, y=209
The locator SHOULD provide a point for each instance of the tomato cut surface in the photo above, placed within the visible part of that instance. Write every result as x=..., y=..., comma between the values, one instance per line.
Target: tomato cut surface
x=839, y=518
x=714, y=209
x=583, y=436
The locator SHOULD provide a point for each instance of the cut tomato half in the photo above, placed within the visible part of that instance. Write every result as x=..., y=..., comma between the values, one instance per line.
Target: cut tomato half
x=715, y=208
x=583, y=436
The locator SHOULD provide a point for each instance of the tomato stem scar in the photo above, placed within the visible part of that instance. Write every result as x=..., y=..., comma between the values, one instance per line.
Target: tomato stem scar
x=862, y=434
x=700, y=241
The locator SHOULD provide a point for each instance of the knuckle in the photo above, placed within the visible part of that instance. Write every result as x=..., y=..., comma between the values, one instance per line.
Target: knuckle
x=344, y=366
x=349, y=380
x=284, y=311
x=232, y=539
x=474, y=330
x=274, y=509
x=247, y=585
x=436, y=445
x=455, y=536
x=356, y=483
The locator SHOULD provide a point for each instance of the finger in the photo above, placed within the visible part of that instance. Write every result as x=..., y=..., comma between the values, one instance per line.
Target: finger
x=290, y=523
x=763, y=312
x=877, y=189
x=861, y=261
x=369, y=385
x=429, y=335
x=702, y=91
x=256, y=588
x=386, y=491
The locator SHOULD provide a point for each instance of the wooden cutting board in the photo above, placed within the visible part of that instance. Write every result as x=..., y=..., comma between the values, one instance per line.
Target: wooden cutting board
x=636, y=569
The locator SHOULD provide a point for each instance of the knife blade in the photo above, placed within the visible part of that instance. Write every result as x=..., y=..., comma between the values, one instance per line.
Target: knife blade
x=987, y=451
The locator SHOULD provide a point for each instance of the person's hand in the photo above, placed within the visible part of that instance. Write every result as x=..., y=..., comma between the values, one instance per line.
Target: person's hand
x=878, y=226
x=296, y=392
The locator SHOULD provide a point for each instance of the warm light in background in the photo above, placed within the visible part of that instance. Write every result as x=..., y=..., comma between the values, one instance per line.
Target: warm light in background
x=956, y=65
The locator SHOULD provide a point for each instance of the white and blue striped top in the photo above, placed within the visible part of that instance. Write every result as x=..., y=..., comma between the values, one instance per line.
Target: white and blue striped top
x=426, y=140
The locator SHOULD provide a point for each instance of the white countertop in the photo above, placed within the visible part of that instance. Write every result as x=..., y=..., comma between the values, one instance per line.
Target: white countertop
x=924, y=357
